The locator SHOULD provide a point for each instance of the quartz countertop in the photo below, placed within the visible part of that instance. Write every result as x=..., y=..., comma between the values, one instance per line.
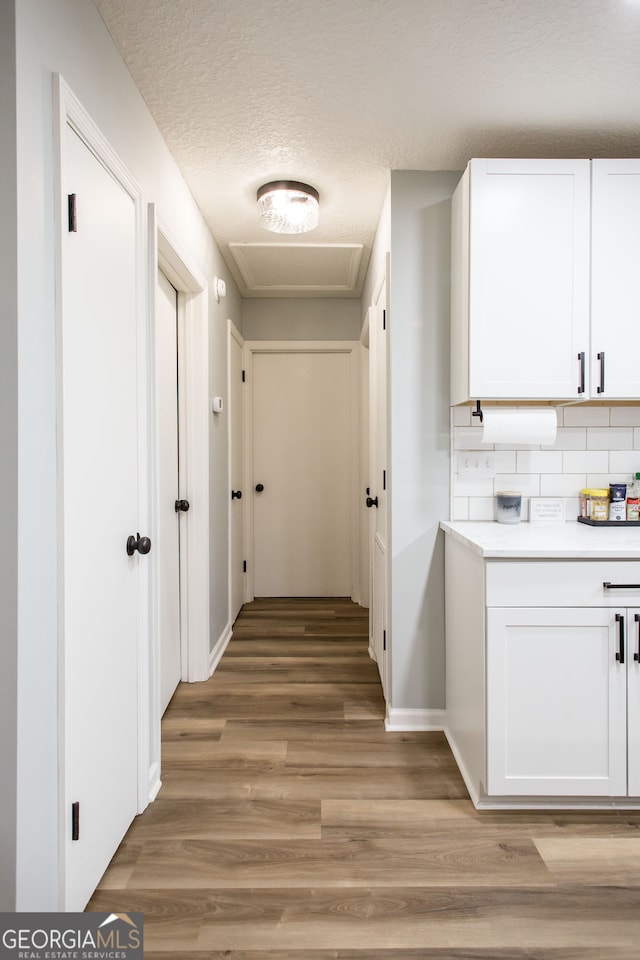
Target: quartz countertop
x=545, y=540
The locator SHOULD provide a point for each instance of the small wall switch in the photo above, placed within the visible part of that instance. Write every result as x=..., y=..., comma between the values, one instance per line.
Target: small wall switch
x=217, y=405
x=476, y=465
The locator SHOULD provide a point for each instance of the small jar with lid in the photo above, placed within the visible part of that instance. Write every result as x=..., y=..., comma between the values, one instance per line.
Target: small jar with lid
x=599, y=504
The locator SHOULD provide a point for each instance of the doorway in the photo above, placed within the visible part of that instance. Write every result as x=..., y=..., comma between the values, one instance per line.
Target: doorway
x=302, y=449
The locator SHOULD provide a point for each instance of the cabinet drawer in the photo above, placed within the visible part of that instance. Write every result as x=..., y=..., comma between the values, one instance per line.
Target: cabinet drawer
x=563, y=583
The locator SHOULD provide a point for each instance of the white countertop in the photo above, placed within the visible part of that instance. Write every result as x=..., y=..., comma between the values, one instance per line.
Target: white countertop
x=553, y=541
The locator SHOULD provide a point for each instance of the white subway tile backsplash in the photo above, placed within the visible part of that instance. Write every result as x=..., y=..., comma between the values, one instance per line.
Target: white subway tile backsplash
x=624, y=462
x=569, y=438
x=472, y=488
x=595, y=446
x=625, y=416
x=481, y=508
x=528, y=484
x=562, y=485
x=504, y=461
x=585, y=461
x=609, y=438
x=460, y=508
x=539, y=461
x=468, y=438
x=586, y=416
x=461, y=416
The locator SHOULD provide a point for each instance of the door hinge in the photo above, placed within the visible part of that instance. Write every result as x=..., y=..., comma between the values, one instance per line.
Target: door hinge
x=384, y=319
x=73, y=216
x=244, y=566
x=384, y=479
x=75, y=820
x=244, y=376
x=384, y=639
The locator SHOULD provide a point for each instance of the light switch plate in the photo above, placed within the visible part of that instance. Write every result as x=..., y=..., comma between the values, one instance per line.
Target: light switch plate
x=476, y=465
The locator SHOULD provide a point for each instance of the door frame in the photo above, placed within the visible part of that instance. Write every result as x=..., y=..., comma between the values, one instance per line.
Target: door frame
x=351, y=349
x=234, y=334
x=68, y=111
x=167, y=254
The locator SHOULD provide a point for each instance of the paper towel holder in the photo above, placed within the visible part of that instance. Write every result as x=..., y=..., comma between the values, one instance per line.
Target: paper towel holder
x=478, y=411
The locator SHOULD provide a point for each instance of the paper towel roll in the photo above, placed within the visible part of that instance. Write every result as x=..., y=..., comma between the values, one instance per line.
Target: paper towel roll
x=517, y=425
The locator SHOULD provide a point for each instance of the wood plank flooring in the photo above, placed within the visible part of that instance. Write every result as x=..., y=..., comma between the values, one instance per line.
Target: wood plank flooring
x=291, y=826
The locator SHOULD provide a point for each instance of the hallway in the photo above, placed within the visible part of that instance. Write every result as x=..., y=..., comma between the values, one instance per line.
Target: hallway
x=291, y=826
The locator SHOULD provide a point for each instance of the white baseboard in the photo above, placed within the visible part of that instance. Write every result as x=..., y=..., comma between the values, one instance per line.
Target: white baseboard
x=399, y=719
x=216, y=654
x=154, y=781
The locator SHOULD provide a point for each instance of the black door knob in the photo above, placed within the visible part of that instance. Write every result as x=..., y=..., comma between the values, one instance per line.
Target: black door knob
x=182, y=506
x=141, y=544
x=372, y=501
x=236, y=494
x=259, y=487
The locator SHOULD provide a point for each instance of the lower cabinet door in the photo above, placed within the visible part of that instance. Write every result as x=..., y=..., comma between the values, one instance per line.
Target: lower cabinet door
x=556, y=702
x=633, y=701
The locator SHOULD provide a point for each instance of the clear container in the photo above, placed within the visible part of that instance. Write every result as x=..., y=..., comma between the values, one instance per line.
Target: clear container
x=599, y=504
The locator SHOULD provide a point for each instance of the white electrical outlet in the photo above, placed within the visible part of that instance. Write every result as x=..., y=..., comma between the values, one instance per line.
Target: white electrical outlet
x=476, y=465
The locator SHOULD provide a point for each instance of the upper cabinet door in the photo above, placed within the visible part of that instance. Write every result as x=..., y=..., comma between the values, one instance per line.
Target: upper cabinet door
x=520, y=273
x=615, y=279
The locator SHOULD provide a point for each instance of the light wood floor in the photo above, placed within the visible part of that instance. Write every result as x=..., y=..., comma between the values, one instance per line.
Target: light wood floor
x=290, y=826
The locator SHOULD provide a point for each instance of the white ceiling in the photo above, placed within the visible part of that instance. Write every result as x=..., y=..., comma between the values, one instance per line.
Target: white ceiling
x=338, y=92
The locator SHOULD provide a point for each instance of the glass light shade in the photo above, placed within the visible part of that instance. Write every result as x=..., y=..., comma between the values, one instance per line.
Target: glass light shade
x=287, y=206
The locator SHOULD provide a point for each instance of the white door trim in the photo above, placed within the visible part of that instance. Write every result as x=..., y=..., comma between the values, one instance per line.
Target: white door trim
x=349, y=347
x=69, y=111
x=234, y=333
x=193, y=351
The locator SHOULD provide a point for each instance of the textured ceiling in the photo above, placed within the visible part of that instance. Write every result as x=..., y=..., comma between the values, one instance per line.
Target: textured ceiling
x=338, y=92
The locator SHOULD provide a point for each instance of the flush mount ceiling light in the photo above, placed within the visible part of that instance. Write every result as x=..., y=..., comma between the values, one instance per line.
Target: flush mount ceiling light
x=287, y=206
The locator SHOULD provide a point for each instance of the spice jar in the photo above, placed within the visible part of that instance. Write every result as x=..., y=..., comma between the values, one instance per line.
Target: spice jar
x=599, y=504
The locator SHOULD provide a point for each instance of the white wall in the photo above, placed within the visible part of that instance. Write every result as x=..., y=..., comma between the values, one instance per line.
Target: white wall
x=8, y=456
x=265, y=318
x=419, y=411
x=69, y=37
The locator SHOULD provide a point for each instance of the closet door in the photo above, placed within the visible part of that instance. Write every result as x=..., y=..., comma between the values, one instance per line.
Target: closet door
x=102, y=584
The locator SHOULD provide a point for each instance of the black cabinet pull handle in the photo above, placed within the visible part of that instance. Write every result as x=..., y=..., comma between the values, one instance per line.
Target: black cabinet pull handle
x=636, y=656
x=371, y=501
x=236, y=494
x=182, y=506
x=620, y=586
x=141, y=544
x=601, y=359
x=581, y=358
x=259, y=487
x=620, y=653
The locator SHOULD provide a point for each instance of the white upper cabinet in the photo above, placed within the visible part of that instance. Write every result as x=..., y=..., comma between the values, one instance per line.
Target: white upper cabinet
x=615, y=279
x=520, y=280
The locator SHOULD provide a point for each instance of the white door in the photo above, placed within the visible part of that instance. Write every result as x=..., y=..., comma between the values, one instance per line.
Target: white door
x=615, y=278
x=556, y=703
x=633, y=701
x=168, y=535
x=377, y=499
x=529, y=277
x=301, y=465
x=236, y=459
x=100, y=449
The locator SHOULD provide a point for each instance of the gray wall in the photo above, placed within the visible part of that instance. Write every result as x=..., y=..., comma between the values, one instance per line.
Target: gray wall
x=419, y=432
x=8, y=458
x=265, y=318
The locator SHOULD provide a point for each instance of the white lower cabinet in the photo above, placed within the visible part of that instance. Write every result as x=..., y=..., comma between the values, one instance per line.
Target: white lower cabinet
x=543, y=679
x=556, y=702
